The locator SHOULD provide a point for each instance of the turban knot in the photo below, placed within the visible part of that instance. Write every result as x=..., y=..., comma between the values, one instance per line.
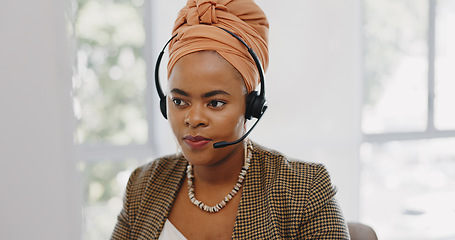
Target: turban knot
x=204, y=12
x=198, y=29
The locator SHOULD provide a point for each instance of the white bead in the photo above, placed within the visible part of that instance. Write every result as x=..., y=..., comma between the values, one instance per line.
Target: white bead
x=237, y=186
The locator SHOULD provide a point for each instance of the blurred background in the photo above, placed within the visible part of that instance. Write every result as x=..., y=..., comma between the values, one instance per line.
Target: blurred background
x=365, y=87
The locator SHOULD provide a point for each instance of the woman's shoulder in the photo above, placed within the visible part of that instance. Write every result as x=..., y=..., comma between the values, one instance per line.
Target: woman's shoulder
x=168, y=161
x=299, y=177
x=278, y=161
x=304, y=187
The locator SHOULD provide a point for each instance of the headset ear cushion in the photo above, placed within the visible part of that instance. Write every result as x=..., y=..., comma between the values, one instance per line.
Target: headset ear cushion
x=255, y=105
x=163, y=107
x=249, y=104
x=259, y=107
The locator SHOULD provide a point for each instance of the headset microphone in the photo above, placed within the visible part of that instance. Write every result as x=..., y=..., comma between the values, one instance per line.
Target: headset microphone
x=256, y=104
x=225, y=144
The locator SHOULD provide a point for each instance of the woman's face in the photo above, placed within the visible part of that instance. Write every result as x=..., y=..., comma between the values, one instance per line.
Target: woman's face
x=206, y=104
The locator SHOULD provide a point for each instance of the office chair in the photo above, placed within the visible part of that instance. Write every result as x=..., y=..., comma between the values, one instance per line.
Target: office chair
x=359, y=231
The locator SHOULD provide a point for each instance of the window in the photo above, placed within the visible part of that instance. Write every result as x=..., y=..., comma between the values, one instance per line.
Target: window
x=408, y=161
x=117, y=42
x=110, y=103
x=111, y=78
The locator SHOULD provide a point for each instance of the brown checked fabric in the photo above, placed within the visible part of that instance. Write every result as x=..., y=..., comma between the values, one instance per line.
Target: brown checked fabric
x=281, y=199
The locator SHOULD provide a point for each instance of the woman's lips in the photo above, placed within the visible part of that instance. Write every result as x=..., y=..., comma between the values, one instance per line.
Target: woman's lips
x=196, y=142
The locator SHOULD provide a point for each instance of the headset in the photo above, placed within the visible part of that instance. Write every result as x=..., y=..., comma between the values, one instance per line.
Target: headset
x=256, y=104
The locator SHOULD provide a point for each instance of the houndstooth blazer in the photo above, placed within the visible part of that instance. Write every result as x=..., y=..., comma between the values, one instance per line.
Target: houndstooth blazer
x=281, y=199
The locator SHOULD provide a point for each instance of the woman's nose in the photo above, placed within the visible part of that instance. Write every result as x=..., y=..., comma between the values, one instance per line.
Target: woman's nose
x=196, y=117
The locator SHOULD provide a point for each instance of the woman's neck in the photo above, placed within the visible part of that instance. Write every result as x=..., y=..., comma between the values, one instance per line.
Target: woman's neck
x=224, y=172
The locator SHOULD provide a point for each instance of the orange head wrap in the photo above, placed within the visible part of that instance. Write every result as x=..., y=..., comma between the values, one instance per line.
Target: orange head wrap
x=198, y=27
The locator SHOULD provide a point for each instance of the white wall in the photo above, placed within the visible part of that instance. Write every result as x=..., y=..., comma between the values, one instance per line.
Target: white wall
x=313, y=86
x=39, y=194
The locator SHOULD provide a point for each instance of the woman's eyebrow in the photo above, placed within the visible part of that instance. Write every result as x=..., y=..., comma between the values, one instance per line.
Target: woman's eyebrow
x=214, y=93
x=180, y=92
x=205, y=95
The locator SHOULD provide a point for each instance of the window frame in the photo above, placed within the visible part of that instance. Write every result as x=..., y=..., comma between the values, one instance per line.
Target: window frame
x=431, y=132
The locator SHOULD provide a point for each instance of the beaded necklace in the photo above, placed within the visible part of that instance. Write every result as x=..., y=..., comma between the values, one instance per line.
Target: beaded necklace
x=237, y=186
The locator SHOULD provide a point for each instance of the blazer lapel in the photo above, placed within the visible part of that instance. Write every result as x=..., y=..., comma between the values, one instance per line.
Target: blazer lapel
x=158, y=198
x=255, y=218
x=271, y=207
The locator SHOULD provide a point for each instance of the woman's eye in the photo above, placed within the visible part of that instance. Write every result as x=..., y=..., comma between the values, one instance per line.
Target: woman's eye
x=178, y=102
x=216, y=104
